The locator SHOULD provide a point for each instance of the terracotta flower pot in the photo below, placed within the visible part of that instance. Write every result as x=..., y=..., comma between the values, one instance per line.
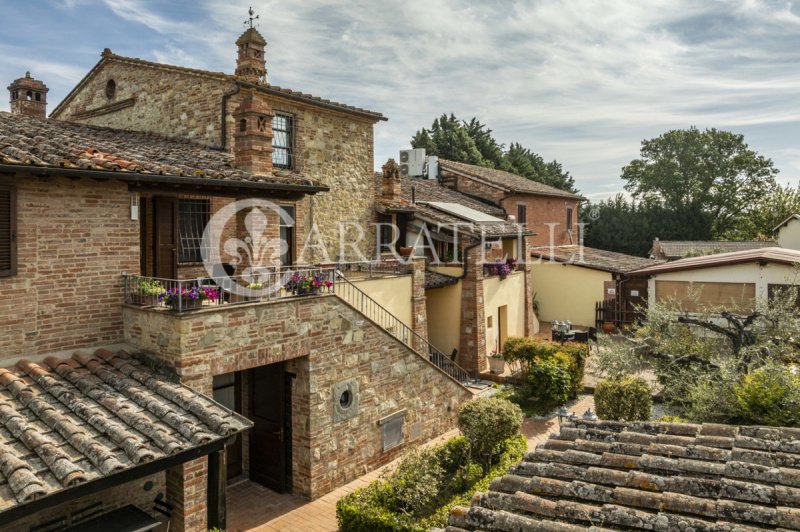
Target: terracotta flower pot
x=405, y=251
x=608, y=326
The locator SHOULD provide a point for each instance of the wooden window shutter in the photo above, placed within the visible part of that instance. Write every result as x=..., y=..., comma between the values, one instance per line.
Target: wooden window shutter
x=8, y=231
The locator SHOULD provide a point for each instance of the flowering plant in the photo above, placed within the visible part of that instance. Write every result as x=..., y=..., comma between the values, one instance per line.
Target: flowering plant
x=193, y=293
x=496, y=354
x=148, y=287
x=301, y=283
x=503, y=268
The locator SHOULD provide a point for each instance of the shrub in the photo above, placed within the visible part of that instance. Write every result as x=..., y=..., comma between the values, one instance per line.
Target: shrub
x=550, y=383
x=375, y=507
x=417, y=481
x=552, y=372
x=770, y=396
x=625, y=398
x=487, y=422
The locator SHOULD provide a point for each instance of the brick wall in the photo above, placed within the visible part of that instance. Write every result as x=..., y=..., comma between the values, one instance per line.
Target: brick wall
x=543, y=210
x=326, y=341
x=135, y=493
x=332, y=147
x=75, y=238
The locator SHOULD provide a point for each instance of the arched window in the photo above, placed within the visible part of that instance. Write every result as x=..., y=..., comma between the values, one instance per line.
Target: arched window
x=29, y=95
x=111, y=89
x=242, y=125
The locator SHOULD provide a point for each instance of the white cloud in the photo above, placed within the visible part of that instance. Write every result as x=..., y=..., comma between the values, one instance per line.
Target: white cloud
x=579, y=81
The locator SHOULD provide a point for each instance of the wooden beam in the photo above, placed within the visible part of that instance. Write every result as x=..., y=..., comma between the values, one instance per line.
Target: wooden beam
x=216, y=495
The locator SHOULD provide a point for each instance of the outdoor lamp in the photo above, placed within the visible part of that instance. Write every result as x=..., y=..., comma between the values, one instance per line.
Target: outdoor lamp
x=562, y=413
x=589, y=415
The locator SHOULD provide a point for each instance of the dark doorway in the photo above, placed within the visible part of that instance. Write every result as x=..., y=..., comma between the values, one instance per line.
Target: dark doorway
x=269, y=437
x=165, y=252
x=228, y=393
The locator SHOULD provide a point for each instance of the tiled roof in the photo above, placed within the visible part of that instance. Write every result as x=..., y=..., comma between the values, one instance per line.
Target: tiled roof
x=438, y=280
x=772, y=254
x=65, y=422
x=506, y=180
x=678, y=249
x=430, y=190
x=52, y=143
x=605, y=475
x=268, y=88
x=598, y=259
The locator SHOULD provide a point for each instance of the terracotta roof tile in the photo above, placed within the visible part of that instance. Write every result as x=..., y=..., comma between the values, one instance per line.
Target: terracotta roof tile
x=646, y=476
x=678, y=249
x=598, y=259
x=775, y=255
x=31, y=141
x=64, y=422
x=506, y=180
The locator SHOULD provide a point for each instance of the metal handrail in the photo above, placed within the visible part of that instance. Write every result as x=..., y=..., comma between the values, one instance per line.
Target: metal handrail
x=373, y=310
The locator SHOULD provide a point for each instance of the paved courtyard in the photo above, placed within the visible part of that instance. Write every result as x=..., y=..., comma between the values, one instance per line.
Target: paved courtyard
x=253, y=507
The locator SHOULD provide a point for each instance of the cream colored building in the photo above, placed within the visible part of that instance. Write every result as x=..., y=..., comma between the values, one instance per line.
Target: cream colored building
x=741, y=280
x=789, y=232
x=569, y=281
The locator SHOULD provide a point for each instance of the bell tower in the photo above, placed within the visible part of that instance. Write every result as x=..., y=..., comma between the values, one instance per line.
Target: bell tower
x=251, y=64
x=28, y=97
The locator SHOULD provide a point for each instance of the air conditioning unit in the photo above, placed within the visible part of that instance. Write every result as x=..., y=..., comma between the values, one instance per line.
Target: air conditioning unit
x=412, y=162
x=432, y=167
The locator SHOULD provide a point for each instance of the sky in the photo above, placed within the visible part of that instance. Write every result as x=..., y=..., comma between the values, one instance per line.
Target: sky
x=579, y=81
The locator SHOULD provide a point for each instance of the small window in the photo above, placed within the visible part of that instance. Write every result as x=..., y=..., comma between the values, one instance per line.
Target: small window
x=29, y=96
x=193, y=215
x=386, y=233
x=392, y=430
x=38, y=97
x=282, y=141
x=569, y=218
x=522, y=214
x=111, y=89
x=8, y=231
x=287, y=230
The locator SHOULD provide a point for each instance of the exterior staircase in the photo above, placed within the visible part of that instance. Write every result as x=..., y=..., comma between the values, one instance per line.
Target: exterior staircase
x=374, y=311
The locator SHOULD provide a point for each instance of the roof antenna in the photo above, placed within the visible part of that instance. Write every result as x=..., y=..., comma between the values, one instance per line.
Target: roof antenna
x=252, y=18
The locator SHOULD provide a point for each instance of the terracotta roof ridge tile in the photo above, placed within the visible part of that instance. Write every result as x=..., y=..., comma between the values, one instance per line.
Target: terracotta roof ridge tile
x=21, y=478
x=134, y=447
x=179, y=396
x=97, y=387
x=132, y=390
x=67, y=473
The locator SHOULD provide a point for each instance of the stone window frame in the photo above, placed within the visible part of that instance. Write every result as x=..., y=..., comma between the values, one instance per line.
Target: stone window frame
x=8, y=230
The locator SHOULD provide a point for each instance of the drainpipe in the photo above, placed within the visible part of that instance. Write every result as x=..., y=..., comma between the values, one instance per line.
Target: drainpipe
x=464, y=258
x=223, y=115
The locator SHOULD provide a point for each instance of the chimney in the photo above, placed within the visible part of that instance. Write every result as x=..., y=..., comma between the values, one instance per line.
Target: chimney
x=251, y=65
x=252, y=139
x=391, y=181
x=28, y=97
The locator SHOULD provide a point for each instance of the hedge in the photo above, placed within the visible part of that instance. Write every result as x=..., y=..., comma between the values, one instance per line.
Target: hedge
x=627, y=398
x=373, y=508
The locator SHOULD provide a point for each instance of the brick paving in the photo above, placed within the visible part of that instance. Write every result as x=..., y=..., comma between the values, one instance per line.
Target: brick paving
x=253, y=507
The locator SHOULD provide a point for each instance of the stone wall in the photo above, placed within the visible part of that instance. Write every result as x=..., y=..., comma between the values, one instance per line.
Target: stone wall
x=74, y=240
x=141, y=493
x=326, y=342
x=332, y=147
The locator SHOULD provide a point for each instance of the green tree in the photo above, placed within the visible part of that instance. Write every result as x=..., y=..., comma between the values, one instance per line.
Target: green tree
x=472, y=143
x=709, y=171
x=773, y=208
x=629, y=227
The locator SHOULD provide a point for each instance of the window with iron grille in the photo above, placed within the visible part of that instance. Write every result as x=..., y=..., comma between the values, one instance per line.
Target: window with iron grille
x=8, y=231
x=282, y=137
x=193, y=215
x=522, y=213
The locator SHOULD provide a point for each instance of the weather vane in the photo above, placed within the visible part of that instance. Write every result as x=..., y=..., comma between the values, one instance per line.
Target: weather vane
x=252, y=18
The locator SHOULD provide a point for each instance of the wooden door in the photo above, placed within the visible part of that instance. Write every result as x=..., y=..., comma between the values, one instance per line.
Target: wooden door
x=267, y=411
x=165, y=252
x=227, y=391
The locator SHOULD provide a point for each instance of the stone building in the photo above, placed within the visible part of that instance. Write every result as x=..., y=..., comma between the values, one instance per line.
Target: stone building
x=100, y=253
